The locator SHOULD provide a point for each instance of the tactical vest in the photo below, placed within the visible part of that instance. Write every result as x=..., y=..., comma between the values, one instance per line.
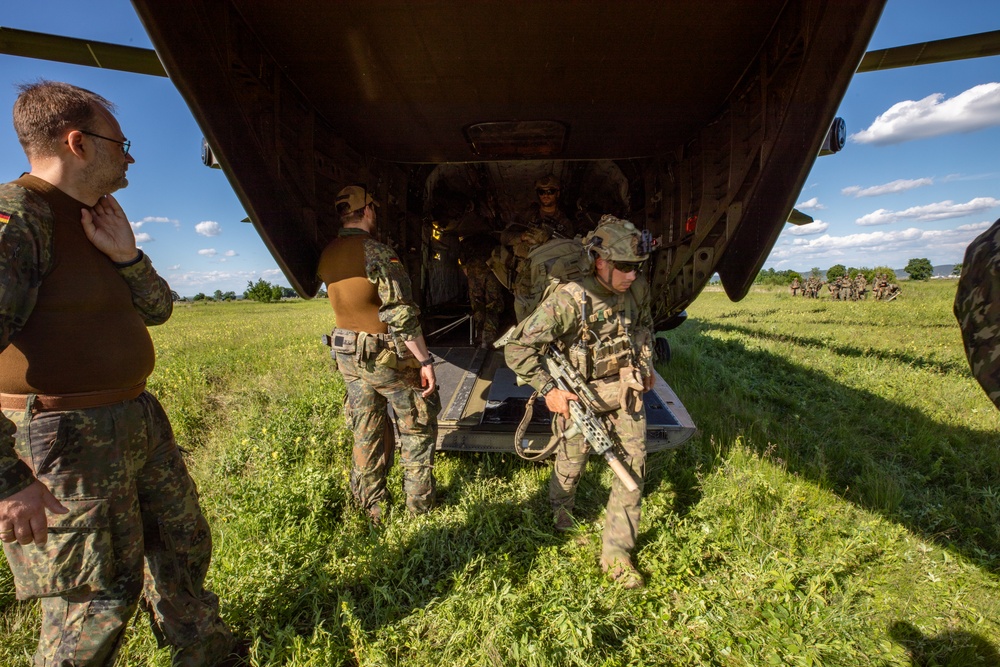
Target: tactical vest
x=605, y=343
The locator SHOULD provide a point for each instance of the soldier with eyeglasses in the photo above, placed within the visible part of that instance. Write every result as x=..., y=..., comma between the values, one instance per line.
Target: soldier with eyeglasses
x=602, y=324
x=98, y=513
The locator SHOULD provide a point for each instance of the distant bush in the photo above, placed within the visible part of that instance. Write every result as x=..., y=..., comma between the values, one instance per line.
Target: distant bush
x=262, y=291
x=772, y=277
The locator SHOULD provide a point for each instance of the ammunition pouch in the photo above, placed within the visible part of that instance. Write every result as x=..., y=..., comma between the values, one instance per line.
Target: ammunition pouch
x=611, y=357
x=383, y=349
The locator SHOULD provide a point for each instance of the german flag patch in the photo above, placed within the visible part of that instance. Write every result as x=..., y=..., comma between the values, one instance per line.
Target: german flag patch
x=4, y=218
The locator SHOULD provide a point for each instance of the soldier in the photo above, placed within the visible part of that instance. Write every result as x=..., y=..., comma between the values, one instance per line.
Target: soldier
x=523, y=239
x=834, y=286
x=485, y=291
x=93, y=448
x=617, y=352
x=546, y=210
x=861, y=284
x=977, y=308
x=380, y=351
x=795, y=286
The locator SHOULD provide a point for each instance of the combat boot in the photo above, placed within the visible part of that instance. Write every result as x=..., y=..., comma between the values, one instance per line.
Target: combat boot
x=374, y=514
x=562, y=519
x=624, y=573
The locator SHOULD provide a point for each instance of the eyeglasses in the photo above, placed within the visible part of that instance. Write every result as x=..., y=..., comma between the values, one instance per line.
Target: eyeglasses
x=126, y=145
x=628, y=267
x=547, y=191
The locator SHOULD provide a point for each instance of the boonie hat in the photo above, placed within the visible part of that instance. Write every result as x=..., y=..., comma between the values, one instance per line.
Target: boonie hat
x=355, y=196
x=615, y=240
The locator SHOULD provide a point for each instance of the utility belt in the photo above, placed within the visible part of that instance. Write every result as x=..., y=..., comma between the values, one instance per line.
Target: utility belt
x=64, y=402
x=384, y=349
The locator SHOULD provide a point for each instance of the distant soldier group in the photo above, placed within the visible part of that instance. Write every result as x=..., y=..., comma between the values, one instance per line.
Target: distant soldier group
x=845, y=288
x=810, y=288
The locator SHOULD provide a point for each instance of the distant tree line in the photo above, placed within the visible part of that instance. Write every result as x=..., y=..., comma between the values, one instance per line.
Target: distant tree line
x=261, y=291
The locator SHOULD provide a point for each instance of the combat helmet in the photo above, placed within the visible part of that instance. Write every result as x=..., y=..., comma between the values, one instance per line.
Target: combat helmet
x=617, y=240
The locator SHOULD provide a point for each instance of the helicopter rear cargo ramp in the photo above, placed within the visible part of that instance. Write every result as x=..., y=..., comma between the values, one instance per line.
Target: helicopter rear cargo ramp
x=482, y=406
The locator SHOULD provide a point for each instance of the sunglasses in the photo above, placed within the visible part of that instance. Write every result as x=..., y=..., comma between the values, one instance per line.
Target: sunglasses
x=547, y=191
x=628, y=267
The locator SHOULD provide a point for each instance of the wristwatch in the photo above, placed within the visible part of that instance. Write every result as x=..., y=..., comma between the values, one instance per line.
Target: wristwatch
x=547, y=387
x=428, y=361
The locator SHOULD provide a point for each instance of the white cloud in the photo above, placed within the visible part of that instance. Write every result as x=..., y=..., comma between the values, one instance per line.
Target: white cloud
x=224, y=280
x=155, y=218
x=891, y=248
x=975, y=109
x=816, y=227
x=938, y=211
x=143, y=237
x=208, y=252
x=887, y=188
x=810, y=204
x=232, y=253
x=208, y=228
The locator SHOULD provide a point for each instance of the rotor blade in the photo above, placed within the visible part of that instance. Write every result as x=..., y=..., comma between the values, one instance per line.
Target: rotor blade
x=797, y=217
x=926, y=53
x=39, y=45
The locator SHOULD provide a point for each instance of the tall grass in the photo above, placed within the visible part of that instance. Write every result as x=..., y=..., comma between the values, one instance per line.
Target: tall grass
x=839, y=505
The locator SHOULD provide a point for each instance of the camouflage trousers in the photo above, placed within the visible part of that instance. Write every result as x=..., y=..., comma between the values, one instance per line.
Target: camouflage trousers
x=134, y=529
x=624, y=509
x=486, y=296
x=370, y=387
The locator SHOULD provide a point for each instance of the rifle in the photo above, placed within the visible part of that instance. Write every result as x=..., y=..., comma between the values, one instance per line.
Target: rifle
x=584, y=419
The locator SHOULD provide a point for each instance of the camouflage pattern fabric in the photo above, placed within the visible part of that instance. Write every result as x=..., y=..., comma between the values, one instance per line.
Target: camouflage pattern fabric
x=557, y=320
x=486, y=299
x=120, y=473
x=977, y=308
x=387, y=273
x=370, y=387
x=131, y=502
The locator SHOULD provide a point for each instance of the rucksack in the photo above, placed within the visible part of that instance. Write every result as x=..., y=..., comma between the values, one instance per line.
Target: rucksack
x=556, y=260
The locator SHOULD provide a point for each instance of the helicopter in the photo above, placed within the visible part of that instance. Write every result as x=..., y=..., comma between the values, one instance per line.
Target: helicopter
x=697, y=121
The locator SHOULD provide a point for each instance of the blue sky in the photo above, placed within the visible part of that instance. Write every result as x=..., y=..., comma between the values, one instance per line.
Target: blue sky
x=918, y=178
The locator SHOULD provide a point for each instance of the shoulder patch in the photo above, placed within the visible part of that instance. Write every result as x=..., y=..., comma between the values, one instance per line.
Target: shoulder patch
x=4, y=218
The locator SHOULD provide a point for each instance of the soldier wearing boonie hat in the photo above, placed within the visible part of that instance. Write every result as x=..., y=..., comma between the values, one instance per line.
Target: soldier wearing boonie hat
x=617, y=358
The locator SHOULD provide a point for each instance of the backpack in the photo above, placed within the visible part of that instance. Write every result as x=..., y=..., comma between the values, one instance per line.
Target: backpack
x=556, y=260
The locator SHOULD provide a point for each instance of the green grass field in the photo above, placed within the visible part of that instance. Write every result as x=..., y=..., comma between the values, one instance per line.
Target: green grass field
x=840, y=505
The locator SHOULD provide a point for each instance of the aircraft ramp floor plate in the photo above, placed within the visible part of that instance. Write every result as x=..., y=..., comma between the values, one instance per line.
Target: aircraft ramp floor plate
x=482, y=404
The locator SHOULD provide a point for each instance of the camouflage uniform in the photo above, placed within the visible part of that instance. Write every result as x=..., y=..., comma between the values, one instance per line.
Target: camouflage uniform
x=485, y=291
x=613, y=319
x=118, y=470
x=977, y=307
x=371, y=385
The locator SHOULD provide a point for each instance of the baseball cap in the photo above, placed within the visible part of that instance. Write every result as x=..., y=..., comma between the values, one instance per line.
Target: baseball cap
x=355, y=196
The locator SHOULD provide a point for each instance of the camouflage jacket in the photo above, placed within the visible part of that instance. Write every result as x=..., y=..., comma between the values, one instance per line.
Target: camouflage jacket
x=387, y=273
x=977, y=307
x=557, y=319
x=26, y=257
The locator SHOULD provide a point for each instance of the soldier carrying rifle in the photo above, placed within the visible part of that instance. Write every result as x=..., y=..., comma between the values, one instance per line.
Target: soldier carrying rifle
x=602, y=326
